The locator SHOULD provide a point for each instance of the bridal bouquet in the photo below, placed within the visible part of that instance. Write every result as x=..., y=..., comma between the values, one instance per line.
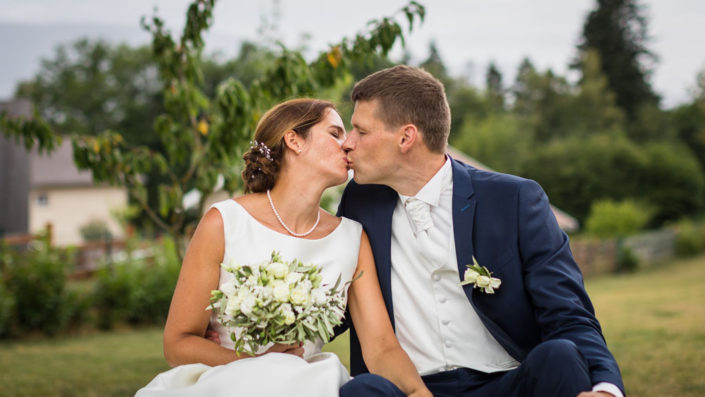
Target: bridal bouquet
x=277, y=301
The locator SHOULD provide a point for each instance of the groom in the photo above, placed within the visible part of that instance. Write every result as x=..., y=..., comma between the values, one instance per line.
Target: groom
x=427, y=217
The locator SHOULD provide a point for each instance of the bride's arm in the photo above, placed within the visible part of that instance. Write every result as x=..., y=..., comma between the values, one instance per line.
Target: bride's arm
x=381, y=351
x=184, y=333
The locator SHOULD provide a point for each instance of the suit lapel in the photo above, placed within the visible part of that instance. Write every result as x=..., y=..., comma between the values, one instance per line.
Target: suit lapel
x=381, y=241
x=463, y=219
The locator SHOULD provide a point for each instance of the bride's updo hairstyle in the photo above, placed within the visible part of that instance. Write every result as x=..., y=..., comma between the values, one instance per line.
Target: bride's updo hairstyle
x=264, y=159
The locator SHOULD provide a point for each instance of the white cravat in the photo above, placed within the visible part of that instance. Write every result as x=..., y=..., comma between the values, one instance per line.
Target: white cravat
x=434, y=246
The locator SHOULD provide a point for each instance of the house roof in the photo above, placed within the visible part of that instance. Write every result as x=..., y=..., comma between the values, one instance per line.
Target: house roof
x=57, y=169
x=17, y=107
x=565, y=221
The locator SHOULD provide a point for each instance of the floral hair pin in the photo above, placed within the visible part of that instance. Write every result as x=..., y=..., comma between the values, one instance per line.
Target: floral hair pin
x=262, y=148
x=480, y=276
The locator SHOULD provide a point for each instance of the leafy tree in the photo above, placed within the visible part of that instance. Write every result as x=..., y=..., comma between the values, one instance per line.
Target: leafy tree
x=90, y=87
x=575, y=172
x=542, y=102
x=689, y=121
x=466, y=103
x=617, y=29
x=434, y=64
x=493, y=88
x=203, y=138
x=594, y=108
x=496, y=140
x=673, y=182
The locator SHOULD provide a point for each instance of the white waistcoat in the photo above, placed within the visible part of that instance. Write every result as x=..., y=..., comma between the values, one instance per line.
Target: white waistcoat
x=434, y=321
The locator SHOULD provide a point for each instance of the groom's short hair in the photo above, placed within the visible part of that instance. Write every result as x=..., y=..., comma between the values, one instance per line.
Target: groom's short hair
x=408, y=94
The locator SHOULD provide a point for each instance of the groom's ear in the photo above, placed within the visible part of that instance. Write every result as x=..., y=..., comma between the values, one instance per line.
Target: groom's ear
x=408, y=134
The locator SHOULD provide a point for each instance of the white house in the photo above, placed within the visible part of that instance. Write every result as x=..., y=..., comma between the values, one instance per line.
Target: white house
x=36, y=190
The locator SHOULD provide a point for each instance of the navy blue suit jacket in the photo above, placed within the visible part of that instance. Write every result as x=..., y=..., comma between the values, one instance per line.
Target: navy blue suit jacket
x=507, y=224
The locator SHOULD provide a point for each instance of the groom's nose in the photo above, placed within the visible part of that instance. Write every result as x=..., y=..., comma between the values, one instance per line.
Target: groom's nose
x=348, y=144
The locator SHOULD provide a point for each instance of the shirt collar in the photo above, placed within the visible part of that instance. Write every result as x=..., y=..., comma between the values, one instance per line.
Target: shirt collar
x=430, y=193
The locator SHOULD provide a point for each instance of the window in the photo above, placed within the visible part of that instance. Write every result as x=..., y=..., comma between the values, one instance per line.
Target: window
x=43, y=200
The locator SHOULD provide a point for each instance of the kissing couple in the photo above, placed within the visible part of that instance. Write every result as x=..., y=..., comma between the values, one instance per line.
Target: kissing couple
x=467, y=286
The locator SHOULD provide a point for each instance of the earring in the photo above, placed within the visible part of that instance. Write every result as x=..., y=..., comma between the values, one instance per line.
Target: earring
x=299, y=151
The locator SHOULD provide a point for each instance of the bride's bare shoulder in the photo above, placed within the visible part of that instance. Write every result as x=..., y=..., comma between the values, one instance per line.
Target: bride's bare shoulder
x=250, y=200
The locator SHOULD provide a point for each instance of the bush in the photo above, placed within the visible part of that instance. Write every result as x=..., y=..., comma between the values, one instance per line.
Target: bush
x=674, y=183
x=498, y=141
x=616, y=219
x=627, y=261
x=690, y=238
x=137, y=291
x=576, y=172
x=37, y=281
x=7, y=308
x=95, y=230
x=112, y=294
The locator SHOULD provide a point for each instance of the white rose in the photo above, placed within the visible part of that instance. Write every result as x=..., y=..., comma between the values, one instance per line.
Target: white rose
x=278, y=270
x=280, y=290
x=243, y=293
x=288, y=313
x=306, y=284
x=483, y=281
x=495, y=282
x=293, y=278
x=319, y=296
x=471, y=275
x=233, y=306
x=267, y=292
x=299, y=296
x=247, y=305
x=229, y=288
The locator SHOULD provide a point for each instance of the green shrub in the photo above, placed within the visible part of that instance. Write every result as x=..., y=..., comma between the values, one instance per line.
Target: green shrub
x=575, y=172
x=616, y=219
x=112, y=294
x=690, y=238
x=674, y=183
x=37, y=281
x=627, y=261
x=137, y=291
x=7, y=308
x=95, y=230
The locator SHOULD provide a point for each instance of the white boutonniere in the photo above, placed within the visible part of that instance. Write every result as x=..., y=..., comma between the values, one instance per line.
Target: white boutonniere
x=481, y=277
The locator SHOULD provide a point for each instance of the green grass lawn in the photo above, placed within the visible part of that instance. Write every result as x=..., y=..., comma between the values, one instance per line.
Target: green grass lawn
x=654, y=323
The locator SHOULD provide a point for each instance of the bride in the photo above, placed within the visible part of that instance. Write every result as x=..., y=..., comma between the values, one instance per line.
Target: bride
x=296, y=155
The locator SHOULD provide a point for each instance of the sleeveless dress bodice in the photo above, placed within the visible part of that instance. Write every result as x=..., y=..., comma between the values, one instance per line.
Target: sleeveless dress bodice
x=319, y=374
x=249, y=242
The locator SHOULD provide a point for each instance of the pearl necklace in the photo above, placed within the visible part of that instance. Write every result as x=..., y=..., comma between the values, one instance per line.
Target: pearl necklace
x=281, y=222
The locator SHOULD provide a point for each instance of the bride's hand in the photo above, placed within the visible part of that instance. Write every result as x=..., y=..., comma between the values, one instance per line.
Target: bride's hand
x=296, y=349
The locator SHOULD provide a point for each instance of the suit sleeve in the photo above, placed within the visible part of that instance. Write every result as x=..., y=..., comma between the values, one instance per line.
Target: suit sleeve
x=555, y=285
x=347, y=322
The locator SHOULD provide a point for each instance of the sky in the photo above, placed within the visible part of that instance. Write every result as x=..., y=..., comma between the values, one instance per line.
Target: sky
x=468, y=33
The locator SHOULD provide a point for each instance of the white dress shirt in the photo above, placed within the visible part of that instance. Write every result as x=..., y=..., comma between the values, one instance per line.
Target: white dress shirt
x=434, y=321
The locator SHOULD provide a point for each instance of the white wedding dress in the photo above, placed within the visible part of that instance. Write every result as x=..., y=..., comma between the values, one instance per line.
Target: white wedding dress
x=273, y=374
